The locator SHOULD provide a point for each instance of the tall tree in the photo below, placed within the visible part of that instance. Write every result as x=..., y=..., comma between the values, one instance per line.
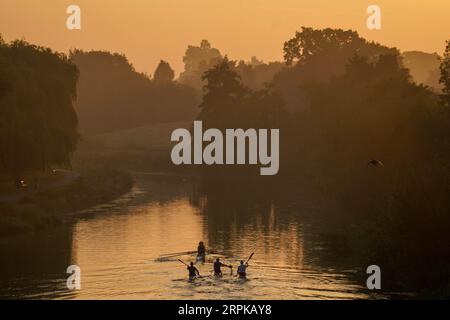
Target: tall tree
x=197, y=60
x=227, y=103
x=445, y=75
x=317, y=55
x=310, y=43
x=38, y=121
x=163, y=73
x=4, y=84
x=224, y=95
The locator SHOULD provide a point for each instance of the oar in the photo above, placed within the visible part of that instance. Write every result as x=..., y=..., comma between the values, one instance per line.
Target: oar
x=229, y=266
x=177, y=254
x=188, y=267
x=173, y=255
x=251, y=256
x=183, y=263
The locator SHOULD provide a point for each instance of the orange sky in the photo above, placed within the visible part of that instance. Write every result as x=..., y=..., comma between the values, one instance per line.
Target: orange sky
x=150, y=30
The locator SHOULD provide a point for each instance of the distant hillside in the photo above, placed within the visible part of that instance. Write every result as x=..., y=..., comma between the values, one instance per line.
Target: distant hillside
x=424, y=67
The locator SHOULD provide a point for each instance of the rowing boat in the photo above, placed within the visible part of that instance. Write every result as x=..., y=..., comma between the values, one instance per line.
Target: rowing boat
x=201, y=258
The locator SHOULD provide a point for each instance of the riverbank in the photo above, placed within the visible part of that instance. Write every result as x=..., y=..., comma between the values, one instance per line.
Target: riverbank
x=42, y=210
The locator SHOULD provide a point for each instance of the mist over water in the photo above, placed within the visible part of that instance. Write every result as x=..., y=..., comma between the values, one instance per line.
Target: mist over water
x=117, y=245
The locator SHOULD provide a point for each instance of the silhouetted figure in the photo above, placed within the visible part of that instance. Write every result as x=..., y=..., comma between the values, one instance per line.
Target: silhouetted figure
x=193, y=271
x=374, y=163
x=217, y=266
x=201, y=251
x=242, y=269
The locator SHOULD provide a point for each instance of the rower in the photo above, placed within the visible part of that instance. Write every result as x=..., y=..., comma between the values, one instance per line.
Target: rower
x=201, y=251
x=217, y=266
x=242, y=269
x=193, y=271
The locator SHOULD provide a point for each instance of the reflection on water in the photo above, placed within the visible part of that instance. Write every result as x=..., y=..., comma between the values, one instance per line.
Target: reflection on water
x=116, y=246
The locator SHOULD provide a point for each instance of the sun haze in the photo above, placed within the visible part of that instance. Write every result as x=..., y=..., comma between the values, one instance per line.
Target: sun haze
x=147, y=31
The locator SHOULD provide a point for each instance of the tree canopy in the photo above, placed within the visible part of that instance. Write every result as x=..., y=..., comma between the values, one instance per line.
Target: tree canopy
x=164, y=73
x=310, y=43
x=228, y=103
x=445, y=74
x=38, y=122
x=317, y=55
x=197, y=60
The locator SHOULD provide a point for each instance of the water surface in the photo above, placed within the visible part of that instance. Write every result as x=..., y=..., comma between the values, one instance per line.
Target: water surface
x=116, y=245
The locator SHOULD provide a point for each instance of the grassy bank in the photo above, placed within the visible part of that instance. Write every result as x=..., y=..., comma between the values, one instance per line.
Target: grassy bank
x=45, y=209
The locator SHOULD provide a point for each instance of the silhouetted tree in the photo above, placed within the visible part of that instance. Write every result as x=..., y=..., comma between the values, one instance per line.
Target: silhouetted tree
x=256, y=74
x=227, y=103
x=163, y=73
x=197, y=60
x=4, y=71
x=224, y=96
x=254, y=62
x=316, y=56
x=352, y=117
x=445, y=74
x=38, y=123
x=315, y=42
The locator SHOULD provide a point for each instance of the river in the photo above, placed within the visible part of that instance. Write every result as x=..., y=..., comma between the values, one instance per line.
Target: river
x=117, y=245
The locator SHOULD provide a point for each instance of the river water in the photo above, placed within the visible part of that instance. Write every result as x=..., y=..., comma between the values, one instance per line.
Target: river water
x=117, y=246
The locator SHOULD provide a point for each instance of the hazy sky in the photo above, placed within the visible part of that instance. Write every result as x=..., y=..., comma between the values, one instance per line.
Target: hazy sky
x=150, y=30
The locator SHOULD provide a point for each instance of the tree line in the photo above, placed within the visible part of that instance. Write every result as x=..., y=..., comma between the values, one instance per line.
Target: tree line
x=341, y=103
x=113, y=96
x=38, y=122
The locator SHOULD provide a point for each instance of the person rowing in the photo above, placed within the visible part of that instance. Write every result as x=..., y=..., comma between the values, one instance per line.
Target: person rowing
x=242, y=269
x=193, y=271
x=201, y=251
x=217, y=266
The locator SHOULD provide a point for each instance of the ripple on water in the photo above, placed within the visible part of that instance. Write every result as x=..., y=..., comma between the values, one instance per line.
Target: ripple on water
x=117, y=246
